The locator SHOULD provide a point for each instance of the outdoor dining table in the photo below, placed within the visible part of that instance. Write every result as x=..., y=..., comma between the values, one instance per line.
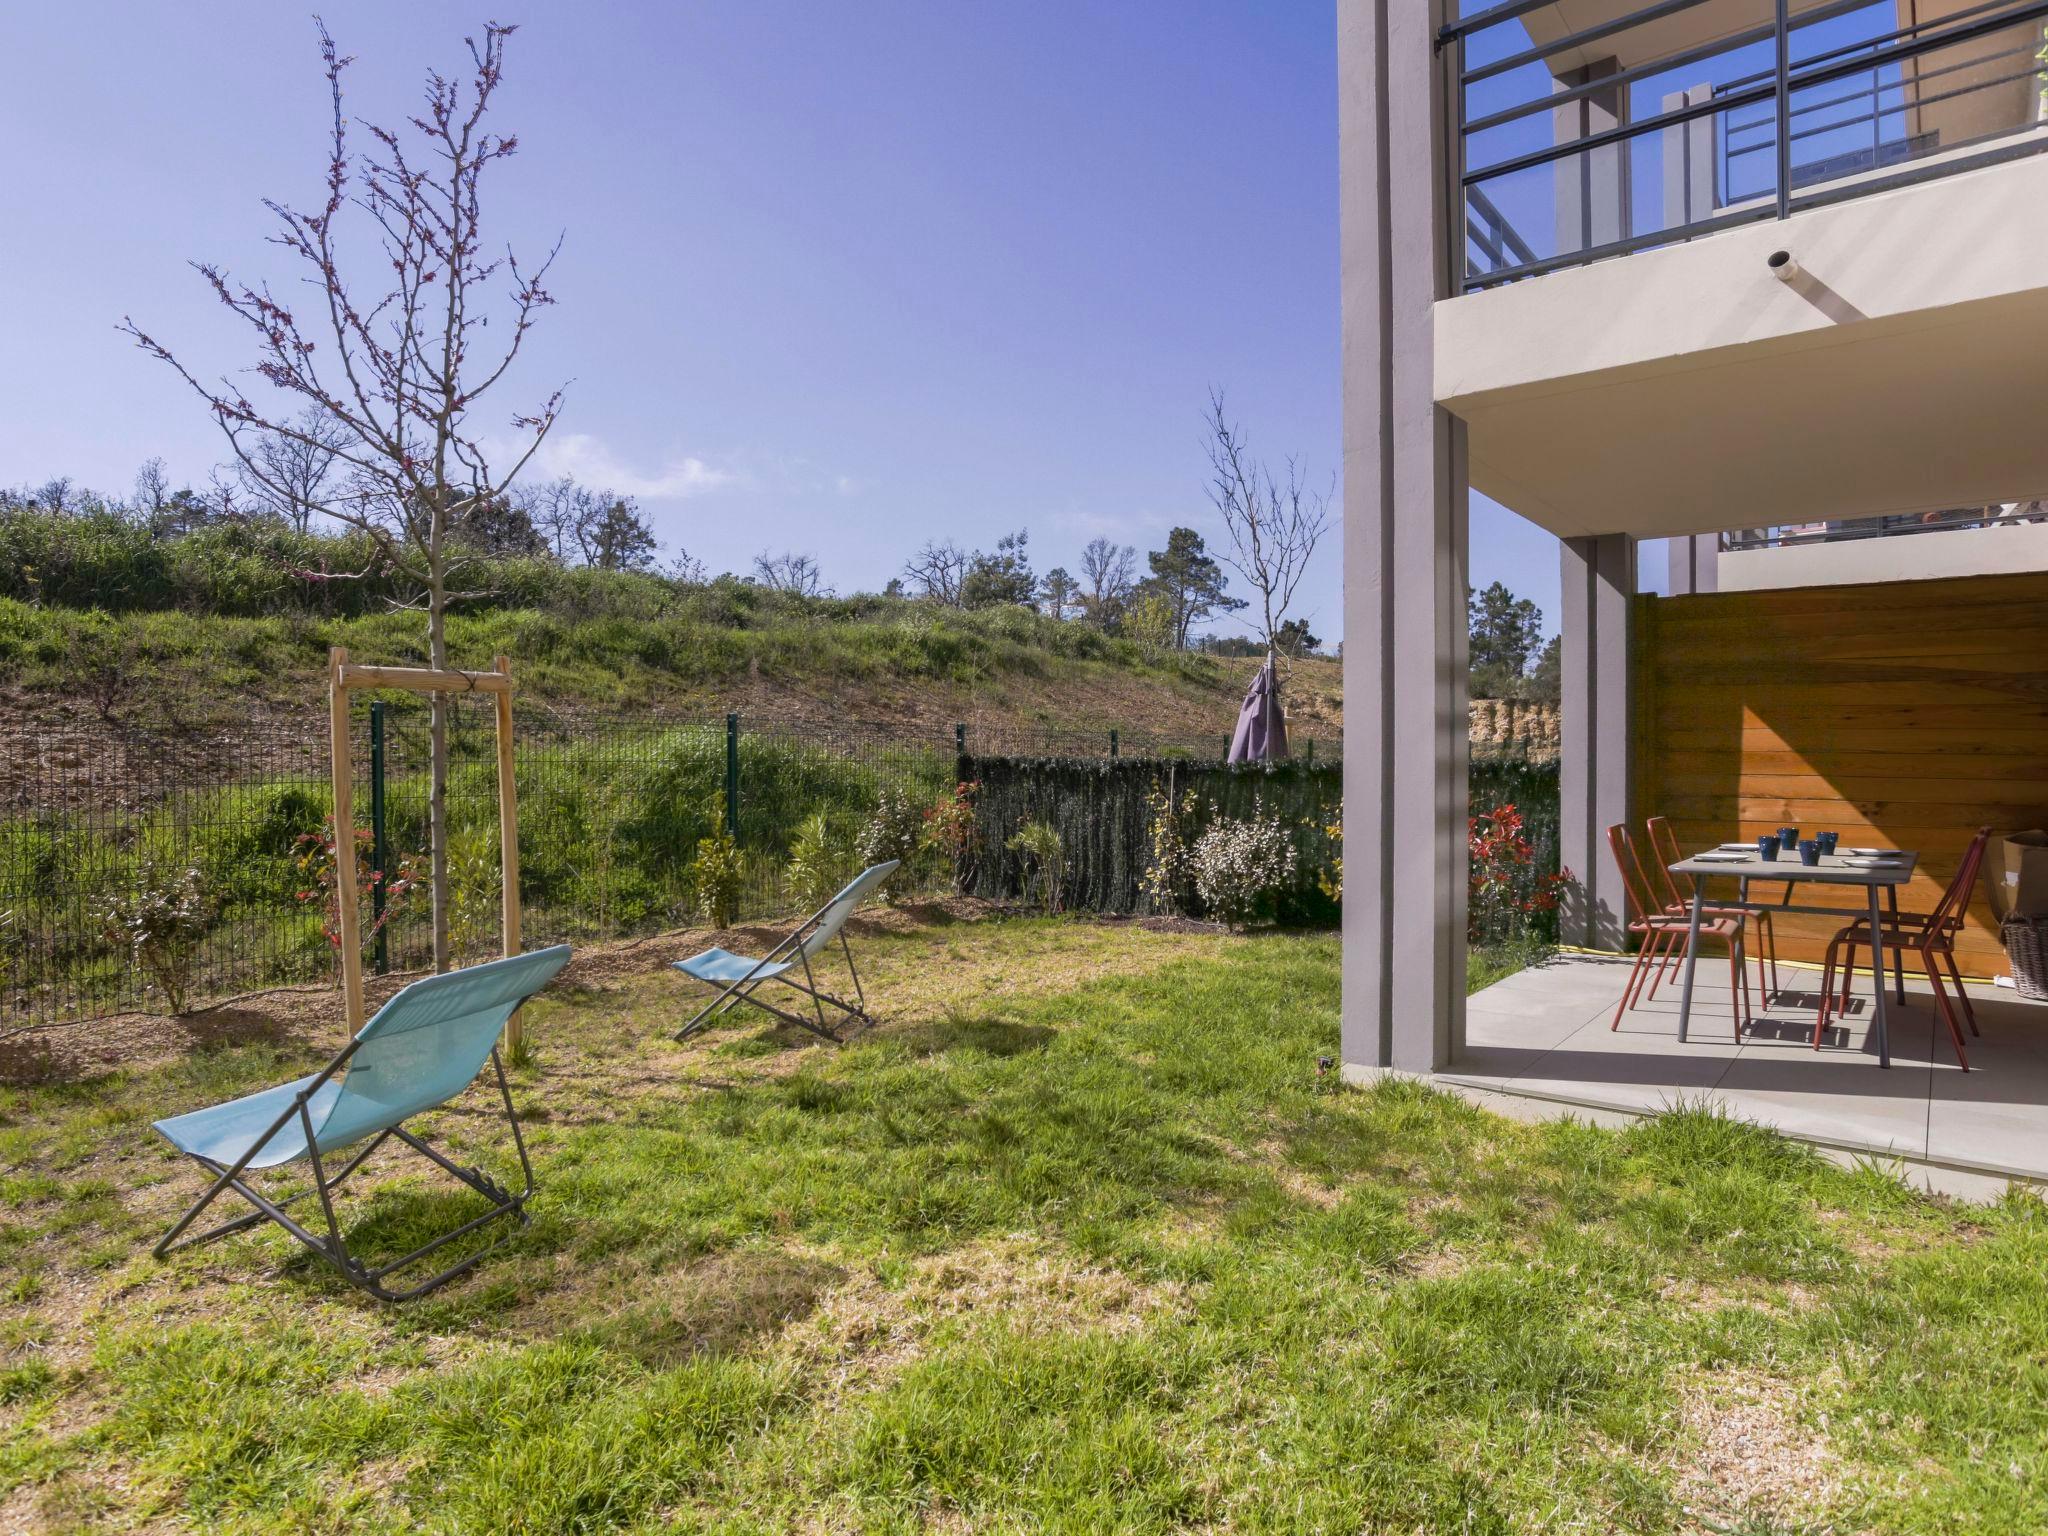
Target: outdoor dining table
x=1833, y=869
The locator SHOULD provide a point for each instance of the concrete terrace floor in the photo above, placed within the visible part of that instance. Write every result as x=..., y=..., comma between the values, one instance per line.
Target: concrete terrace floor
x=1539, y=1044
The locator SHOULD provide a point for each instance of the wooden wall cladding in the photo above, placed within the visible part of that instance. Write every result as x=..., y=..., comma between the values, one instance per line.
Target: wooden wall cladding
x=1904, y=715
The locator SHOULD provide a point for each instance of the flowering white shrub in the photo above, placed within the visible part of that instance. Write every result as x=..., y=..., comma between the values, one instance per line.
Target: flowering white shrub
x=1240, y=866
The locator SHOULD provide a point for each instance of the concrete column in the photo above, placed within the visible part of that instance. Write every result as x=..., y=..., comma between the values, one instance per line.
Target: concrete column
x=1591, y=187
x=1405, y=522
x=1599, y=585
x=1695, y=564
x=1688, y=162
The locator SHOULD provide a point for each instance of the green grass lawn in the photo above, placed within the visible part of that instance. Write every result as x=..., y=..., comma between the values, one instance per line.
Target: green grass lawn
x=1079, y=1241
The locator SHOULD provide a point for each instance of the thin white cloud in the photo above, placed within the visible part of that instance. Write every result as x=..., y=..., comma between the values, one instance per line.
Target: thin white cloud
x=590, y=460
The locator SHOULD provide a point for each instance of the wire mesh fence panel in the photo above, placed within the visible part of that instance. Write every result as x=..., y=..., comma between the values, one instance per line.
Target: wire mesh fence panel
x=103, y=827
x=132, y=861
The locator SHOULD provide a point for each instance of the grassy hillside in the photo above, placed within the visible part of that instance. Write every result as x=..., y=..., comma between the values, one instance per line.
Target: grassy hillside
x=766, y=656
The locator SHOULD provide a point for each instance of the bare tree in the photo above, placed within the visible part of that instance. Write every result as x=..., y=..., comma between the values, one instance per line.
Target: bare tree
x=152, y=487
x=398, y=368
x=936, y=571
x=555, y=508
x=790, y=572
x=1274, y=525
x=296, y=467
x=1109, y=574
x=685, y=570
x=56, y=494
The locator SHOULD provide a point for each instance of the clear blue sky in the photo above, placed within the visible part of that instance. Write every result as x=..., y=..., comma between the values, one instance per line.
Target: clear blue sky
x=836, y=278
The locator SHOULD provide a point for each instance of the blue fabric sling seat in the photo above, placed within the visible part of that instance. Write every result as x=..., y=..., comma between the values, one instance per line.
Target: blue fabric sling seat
x=738, y=977
x=422, y=1049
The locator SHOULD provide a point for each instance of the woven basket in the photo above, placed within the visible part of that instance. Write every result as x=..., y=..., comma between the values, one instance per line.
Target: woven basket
x=2026, y=950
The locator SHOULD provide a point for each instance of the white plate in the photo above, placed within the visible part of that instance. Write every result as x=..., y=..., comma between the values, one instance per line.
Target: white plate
x=1875, y=863
x=1735, y=847
x=1871, y=853
x=1724, y=858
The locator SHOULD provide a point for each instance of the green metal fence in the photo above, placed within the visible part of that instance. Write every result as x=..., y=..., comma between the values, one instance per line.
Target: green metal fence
x=612, y=811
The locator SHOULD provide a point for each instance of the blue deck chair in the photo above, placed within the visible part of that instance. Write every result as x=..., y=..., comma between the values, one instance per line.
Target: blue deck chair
x=422, y=1049
x=739, y=978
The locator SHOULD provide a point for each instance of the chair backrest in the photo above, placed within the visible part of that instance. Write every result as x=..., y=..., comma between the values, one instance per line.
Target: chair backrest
x=1948, y=913
x=1665, y=852
x=1632, y=882
x=831, y=917
x=429, y=1042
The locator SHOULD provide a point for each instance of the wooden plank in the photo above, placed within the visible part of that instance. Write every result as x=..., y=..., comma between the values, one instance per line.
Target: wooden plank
x=508, y=844
x=1763, y=753
x=424, y=680
x=1952, y=790
x=1822, y=715
x=1865, y=598
x=347, y=920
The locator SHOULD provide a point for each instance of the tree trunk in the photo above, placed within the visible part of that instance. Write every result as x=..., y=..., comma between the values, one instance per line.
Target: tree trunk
x=437, y=767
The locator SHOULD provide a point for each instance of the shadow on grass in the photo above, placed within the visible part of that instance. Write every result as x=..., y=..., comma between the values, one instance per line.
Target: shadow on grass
x=990, y=1036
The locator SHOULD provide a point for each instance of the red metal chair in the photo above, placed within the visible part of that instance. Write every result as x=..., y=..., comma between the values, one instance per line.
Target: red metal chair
x=1666, y=852
x=1925, y=936
x=1661, y=931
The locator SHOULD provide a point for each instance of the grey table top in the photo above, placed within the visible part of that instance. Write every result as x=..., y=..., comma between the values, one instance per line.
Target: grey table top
x=1833, y=869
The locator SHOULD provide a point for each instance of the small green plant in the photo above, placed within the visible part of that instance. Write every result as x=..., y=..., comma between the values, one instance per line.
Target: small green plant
x=819, y=860
x=1164, y=884
x=718, y=875
x=1330, y=878
x=1045, y=864
x=162, y=923
x=1241, y=867
x=895, y=830
x=475, y=879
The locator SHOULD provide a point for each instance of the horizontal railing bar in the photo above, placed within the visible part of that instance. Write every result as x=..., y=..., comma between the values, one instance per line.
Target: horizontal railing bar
x=1811, y=17
x=1844, y=124
x=1755, y=94
x=1931, y=170
x=1492, y=16
x=1578, y=39
x=1676, y=234
x=1615, y=135
x=1663, y=65
x=1521, y=248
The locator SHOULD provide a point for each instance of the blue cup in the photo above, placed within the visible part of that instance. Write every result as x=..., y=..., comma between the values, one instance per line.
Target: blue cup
x=1767, y=848
x=1828, y=841
x=1788, y=838
x=1809, y=850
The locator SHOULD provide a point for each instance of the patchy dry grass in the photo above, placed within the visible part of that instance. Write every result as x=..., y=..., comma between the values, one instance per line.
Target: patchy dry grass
x=1077, y=1240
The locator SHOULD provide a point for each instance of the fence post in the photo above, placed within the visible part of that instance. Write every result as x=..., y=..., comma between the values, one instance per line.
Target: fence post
x=380, y=847
x=1310, y=760
x=732, y=777
x=1112, y=743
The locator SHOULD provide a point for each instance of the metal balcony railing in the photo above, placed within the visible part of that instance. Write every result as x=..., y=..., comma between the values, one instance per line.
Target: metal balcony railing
x=1666, y=122
x=1791, y=535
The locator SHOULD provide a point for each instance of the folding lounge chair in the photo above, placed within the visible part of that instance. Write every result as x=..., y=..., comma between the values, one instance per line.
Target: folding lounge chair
x=422, y=1049
x=739, y=979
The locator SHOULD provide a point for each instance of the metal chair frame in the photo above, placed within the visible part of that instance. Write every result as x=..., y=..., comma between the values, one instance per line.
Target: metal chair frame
x=1927, y=936
x=334, y=1247
x=1664, y=933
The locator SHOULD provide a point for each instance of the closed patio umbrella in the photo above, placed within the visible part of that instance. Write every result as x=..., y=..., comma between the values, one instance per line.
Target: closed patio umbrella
x=1261, y=735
